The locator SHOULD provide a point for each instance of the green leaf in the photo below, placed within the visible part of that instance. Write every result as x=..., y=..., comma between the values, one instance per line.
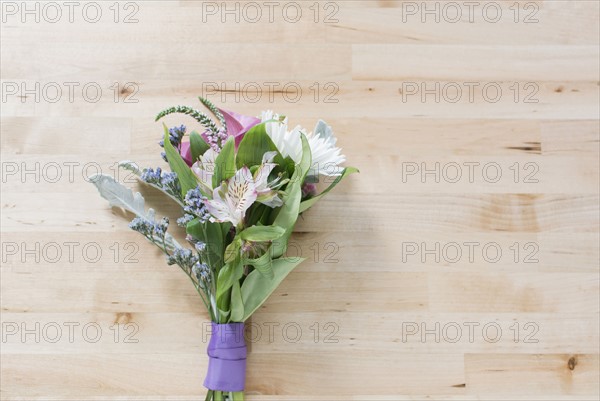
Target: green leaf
x=257, y=288
x=197, y=145
x=229, y=274
x=187, y=179
x=255, y=144
x=224, y=163
x=238, y=396
x=288, y=213
x=224, y=315
x=309, y=202
x=225, y=229
x=287, y=217
x=262, y=233
x=304, y=165
x=237, y=304
x=212, y=235
x=264, y=263
x=255, y=212
x=232, y=252
x=266, y=214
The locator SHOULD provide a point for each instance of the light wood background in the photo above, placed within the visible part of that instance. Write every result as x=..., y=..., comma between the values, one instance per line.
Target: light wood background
x=360, y=287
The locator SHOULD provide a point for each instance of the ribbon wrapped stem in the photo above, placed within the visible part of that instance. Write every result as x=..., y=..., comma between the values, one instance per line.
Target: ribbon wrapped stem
x=227, y=358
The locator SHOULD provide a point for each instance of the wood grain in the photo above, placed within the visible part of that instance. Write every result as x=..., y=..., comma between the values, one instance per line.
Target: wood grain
x=428, y=276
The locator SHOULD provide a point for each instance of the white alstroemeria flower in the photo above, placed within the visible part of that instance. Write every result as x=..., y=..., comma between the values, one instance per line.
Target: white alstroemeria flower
x=266, y=195
x=326, y=157
x=232, y=199
x=204, y=168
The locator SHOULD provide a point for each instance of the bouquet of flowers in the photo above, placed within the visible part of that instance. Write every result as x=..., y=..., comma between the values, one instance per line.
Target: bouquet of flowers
x=241, y=185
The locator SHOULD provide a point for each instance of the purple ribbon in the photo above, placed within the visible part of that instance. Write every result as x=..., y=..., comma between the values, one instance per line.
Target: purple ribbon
x=227, y=358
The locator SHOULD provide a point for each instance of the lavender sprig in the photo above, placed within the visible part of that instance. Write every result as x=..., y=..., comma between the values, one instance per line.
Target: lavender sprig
x=203, y=274
x=199, y=245
x=215, y=135
x=183, y=257
x=183, y=221
x=175, y=136
x=194, y=204
x=166, y=181
x=186, y=259
x=150, y=229
x=155, y=232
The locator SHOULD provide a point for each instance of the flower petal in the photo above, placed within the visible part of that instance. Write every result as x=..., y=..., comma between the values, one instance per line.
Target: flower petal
x=270, y=198
x=220, y=211
x=186, y=153
x=238, y=124
x=204, y=168
x=268, y=157
x=241, y=191
x=261, y=176
x=326, y=157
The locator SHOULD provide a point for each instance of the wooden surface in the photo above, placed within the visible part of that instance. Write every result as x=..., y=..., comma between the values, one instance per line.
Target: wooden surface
x=388, y=319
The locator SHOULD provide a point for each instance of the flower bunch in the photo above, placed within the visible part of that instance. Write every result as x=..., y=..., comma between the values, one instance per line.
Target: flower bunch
x=241, y=185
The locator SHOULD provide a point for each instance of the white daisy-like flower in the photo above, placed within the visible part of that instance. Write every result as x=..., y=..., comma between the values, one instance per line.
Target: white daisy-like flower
x=288, y=142
x=326, y=157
